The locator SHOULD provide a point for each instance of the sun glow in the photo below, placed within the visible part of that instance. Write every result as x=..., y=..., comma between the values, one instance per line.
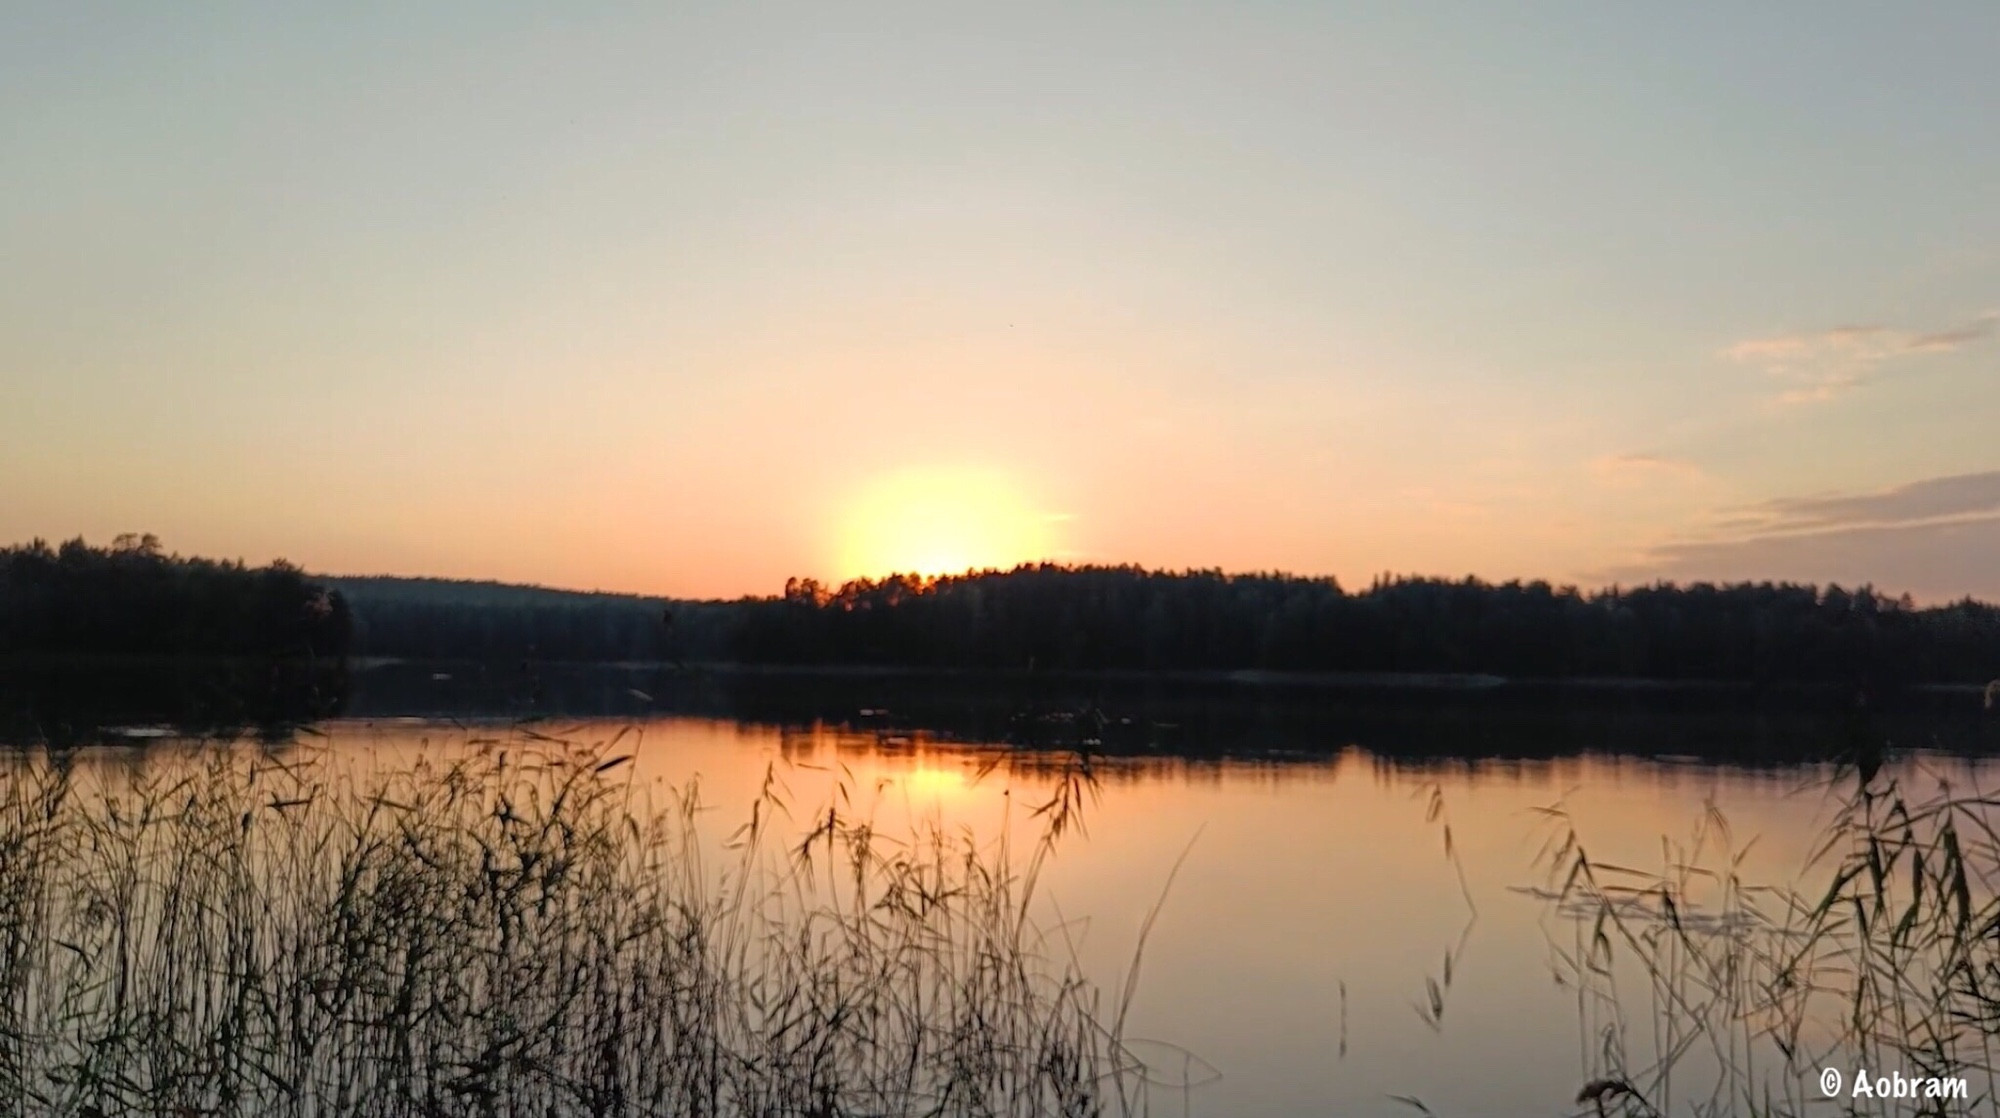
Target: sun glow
x=937, y=522
x=933, y=783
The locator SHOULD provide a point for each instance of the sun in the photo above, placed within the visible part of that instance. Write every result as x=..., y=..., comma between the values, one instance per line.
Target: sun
x=935, y=783
x=941, y=521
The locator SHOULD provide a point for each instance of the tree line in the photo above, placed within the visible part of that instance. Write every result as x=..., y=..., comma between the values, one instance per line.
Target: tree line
x=131, y=598
x=134, y=599
x=1110, y=618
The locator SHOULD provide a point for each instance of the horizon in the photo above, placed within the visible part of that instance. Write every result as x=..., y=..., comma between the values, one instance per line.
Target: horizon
x=684, y=304
x=1374, y=581
x=1345, y=587
x=1583, y=589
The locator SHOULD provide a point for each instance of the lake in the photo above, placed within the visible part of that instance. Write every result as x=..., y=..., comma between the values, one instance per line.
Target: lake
x=1351, y=890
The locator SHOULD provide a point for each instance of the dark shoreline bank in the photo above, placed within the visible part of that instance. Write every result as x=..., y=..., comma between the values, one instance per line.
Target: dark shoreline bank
x=1259, y=715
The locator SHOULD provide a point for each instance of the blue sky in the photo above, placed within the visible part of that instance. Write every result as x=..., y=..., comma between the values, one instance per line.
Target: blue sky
x=655, y=297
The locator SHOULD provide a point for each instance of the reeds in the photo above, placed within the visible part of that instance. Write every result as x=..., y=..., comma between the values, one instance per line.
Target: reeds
x=1701, y=993
x=517, y=930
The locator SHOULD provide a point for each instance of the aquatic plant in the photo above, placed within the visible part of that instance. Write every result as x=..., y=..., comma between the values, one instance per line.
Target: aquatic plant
x=1701, y=993
x=515, y=928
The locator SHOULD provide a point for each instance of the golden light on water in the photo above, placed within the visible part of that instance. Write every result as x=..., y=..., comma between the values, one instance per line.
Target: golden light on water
x=928, y=782
x=936, y=522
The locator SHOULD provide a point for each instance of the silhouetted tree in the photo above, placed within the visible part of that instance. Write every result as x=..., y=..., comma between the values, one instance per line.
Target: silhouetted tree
x=133, y=599
x=130, y=598
x=1112, y=618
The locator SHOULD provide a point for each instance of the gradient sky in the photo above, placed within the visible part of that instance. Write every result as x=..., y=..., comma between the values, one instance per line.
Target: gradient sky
x=671, y=300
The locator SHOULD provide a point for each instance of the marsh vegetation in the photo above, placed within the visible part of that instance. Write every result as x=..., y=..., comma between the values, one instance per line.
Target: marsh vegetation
x=516, y=927
x=1699, y=991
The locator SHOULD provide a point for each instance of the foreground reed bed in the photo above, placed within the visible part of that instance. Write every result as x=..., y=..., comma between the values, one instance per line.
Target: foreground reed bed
x=1701, y=993
x=516, y=929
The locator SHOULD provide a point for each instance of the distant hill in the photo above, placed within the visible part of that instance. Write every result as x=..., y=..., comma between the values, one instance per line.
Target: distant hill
x=472, y=592
x=438, y=618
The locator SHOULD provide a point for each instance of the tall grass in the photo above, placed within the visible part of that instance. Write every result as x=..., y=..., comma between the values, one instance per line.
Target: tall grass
x=1702, y=993
x=515, y=929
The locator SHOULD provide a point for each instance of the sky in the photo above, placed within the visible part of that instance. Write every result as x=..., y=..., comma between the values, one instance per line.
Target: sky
x=690, y=300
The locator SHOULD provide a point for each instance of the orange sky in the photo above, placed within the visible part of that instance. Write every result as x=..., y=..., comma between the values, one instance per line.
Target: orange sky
x=691, y=303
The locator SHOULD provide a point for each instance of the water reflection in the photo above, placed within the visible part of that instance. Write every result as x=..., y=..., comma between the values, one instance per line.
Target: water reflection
x=1213, y=716
x=89, y=701
x=1345, y=926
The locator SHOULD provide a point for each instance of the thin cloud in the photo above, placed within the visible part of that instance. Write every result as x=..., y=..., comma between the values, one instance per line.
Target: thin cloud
x=1823, y=366
x=1930, y=500
x=1823, y=387
x=1947, y=340
x=1935, y=561
x=1785, y=348
x=1935, y=537
x=1634, y=468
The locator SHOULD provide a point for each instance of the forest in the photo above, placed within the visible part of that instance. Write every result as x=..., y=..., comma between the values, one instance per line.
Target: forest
x=1112, y=618
x=449, y=619
x=133, y=599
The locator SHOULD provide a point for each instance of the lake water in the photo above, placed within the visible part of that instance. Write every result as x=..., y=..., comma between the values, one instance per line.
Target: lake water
x=1351, y=925
x=1313, y=904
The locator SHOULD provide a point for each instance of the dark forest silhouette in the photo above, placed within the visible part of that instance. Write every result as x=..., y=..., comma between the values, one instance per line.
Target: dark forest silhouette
x=1056, y=618
x=447, y=619
x=132, y=599
x=1112, y=618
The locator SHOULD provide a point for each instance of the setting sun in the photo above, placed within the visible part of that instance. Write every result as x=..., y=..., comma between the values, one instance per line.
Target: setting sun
x=934, y=522
x=924, y=781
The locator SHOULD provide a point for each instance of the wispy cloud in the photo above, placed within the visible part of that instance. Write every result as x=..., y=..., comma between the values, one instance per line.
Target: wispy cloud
x=1637, y=468
x=1935, y=561
x=1935, y=537
x=1930, y=500
x=1944, y=341
x=1822, y=366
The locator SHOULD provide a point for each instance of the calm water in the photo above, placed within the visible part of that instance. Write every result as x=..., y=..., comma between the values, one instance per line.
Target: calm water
x=1317, y=951
x=1313, y=908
